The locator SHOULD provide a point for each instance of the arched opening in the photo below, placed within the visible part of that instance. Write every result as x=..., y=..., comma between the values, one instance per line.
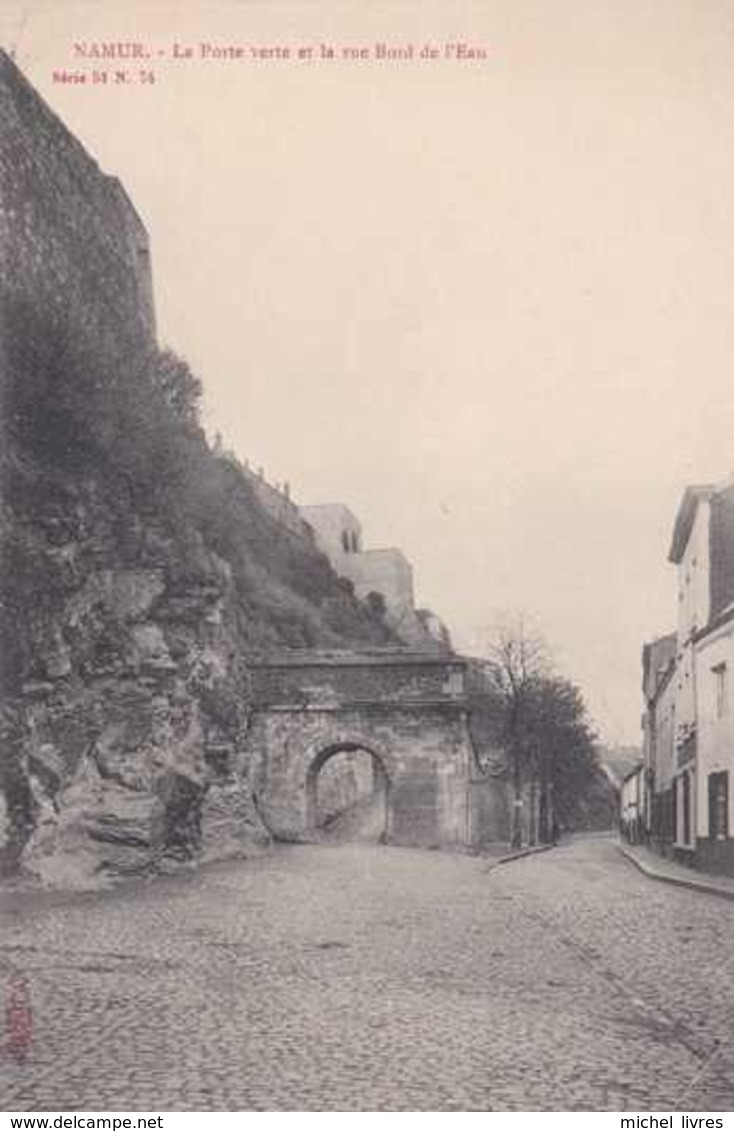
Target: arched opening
x=347, y=789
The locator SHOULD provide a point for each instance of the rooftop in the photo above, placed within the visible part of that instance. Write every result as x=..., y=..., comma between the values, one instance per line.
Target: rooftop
x=692, y=496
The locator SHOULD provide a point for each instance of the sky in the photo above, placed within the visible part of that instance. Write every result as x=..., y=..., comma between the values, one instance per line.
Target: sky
x=487, y=302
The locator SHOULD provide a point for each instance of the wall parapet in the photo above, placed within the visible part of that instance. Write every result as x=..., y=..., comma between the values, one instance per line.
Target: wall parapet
x=333, y=679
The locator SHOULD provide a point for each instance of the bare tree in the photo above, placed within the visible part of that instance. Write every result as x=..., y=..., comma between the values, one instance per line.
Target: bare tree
x=543, y=727
x=518, y=662
x=517, y=659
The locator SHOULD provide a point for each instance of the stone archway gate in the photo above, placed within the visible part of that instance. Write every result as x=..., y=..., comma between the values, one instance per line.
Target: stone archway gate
x=407, y=709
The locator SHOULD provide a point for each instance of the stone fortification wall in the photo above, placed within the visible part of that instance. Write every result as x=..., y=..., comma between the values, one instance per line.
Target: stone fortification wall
x=343, y=678
x=408, y=711
x=387, y=572
x=72, y=248
x=338, y=532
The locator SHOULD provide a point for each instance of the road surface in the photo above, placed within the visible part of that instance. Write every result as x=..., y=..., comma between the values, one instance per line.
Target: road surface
x=358, y=977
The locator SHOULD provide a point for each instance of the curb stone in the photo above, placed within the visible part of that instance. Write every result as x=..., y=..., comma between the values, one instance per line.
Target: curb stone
x=693, y=884
x=531, y=850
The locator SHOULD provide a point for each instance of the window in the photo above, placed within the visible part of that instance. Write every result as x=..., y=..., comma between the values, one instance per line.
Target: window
x=720, y=685
x=719, y=806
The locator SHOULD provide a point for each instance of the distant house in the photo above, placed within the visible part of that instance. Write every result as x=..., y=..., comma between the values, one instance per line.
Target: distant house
x=689, y=712
x=658, y=741
x=633, y=805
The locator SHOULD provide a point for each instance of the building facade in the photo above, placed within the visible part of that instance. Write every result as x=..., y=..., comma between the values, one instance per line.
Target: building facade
x=633, y=805
x=689, y=714
x=377, y=575
x=658, y=743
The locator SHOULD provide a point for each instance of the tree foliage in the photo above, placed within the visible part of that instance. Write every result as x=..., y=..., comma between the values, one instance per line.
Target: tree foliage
x=559, y=745
x=539, y=719
x=180, y=388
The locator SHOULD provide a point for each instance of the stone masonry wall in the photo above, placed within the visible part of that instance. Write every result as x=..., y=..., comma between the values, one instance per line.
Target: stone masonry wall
x=71, y=243
x=424, y=753
x=345, y=678
x=408, y=711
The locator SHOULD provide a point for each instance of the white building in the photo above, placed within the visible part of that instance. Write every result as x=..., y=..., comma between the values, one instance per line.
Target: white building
x=692, y=776
x=658, y=746
x=632, y=805
x=375, y=574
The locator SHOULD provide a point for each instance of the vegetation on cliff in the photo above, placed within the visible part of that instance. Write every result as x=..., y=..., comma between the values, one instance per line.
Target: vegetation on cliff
x=130, y=427
x=138, y=571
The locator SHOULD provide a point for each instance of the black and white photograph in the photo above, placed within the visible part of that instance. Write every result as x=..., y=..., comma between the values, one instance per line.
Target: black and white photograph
x=366, y=559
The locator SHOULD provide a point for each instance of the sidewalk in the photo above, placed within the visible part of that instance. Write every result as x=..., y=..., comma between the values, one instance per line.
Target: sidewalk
x=659, y=868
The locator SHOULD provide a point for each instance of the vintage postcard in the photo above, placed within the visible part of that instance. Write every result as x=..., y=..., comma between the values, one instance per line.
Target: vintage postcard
x=366, y=558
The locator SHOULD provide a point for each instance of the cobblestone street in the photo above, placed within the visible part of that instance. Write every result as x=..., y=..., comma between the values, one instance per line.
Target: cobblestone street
x=364, y=978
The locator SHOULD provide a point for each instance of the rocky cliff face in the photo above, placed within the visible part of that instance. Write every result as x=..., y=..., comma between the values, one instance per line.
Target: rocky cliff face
x=122, y=743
